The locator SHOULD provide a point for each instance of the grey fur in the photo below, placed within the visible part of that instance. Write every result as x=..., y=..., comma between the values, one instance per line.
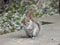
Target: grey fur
x=30, y=32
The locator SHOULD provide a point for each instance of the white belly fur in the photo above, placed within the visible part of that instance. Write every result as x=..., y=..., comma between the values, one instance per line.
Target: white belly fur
x=35, y=29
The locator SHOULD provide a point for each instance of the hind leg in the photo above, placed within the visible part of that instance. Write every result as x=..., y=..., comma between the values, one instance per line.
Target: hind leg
x=32, y=33
x=35, y=33
x=29, y=33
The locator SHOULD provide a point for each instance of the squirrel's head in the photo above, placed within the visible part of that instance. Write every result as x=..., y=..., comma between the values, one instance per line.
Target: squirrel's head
x=28, y=17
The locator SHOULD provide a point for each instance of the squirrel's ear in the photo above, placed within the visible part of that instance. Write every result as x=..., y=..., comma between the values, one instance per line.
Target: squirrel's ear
x=30, y=15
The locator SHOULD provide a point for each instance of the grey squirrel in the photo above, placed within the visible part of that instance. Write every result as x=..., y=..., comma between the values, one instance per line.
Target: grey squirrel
x=31, y=26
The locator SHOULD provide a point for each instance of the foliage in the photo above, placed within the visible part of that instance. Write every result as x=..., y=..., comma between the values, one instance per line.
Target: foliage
x=38, y=15
x=11, y=21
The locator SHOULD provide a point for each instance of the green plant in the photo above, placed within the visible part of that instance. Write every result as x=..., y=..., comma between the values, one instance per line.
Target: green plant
x=38, y=15
x=1, y=16
x=13, y=29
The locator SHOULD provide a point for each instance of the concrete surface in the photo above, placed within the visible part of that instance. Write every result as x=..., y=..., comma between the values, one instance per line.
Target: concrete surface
x=49, y=34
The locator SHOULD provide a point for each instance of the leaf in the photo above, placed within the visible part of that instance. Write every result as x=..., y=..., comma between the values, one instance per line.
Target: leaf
x=9, y=15
x=1, y=16
x=13, y=29
x=38, y=15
